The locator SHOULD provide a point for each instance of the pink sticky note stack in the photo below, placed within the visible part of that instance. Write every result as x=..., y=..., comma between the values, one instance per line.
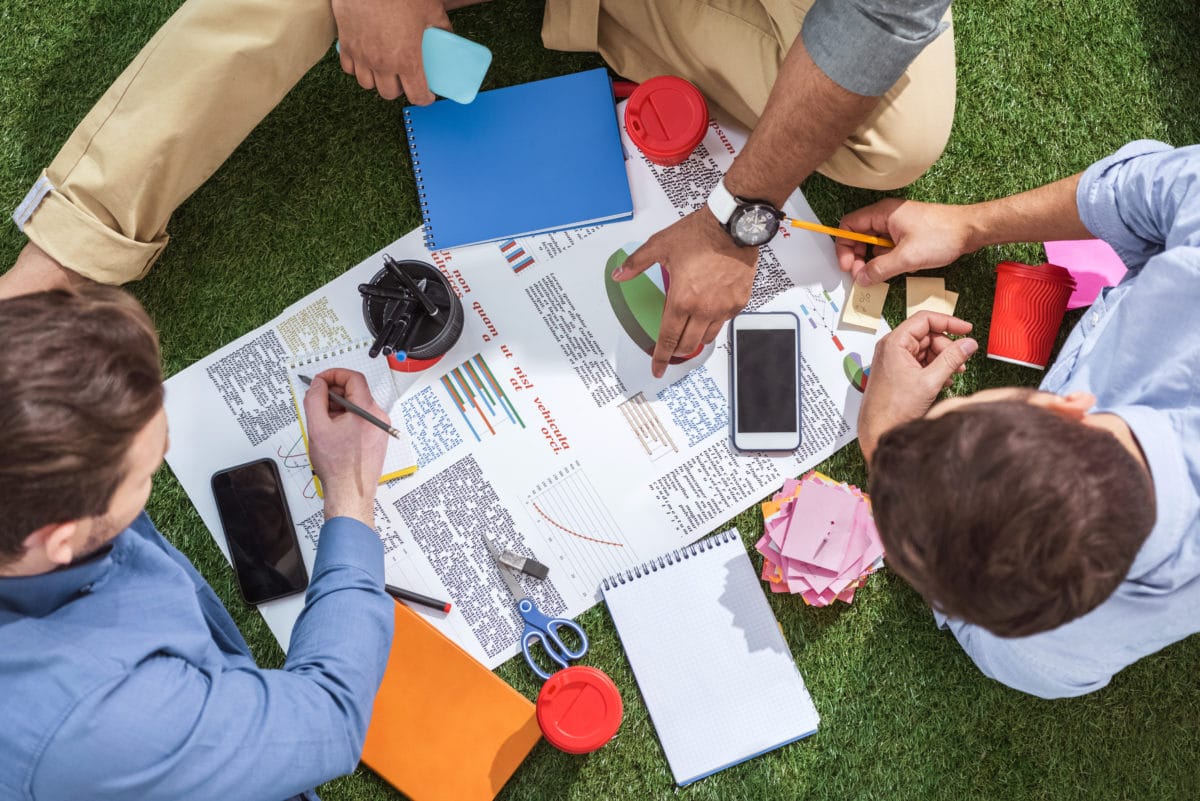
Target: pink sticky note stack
x=820, y=541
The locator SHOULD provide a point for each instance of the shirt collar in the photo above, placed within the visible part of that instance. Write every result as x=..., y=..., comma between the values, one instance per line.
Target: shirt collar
x=1168, y=470
x=40, y=595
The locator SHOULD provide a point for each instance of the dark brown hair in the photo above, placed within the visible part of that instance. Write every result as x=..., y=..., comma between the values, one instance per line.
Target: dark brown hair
x=79, y=378
x=1008, y=515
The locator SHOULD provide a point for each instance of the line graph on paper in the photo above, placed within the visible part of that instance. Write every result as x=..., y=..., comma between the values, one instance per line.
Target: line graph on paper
x=578, y=528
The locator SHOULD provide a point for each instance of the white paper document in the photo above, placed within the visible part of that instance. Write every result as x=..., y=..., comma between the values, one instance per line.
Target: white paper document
x=543, y=427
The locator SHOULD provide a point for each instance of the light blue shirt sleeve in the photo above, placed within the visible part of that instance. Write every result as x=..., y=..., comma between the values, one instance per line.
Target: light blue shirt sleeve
x=1037, y=668
x=170, y=730
x=1143, y=199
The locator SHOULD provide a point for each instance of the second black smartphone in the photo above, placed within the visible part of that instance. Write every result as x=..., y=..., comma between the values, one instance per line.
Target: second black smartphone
x=259, y=531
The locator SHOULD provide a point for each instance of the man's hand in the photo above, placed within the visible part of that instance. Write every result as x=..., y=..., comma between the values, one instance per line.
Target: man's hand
x=927, y=235
x=710, y=280
x=912, y=365
x=346, y=451
x=380, y=44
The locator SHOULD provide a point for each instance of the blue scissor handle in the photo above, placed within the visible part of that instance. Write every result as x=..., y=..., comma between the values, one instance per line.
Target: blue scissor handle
x=545, y=629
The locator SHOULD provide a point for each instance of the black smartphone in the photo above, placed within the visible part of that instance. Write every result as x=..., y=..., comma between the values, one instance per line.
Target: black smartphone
x=258, y=529
x=765, y=386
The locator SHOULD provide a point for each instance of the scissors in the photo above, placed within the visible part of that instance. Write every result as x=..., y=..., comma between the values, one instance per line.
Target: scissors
x=538, y=627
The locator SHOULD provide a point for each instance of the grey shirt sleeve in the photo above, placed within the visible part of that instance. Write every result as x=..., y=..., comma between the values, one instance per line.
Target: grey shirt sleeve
x=864, y=46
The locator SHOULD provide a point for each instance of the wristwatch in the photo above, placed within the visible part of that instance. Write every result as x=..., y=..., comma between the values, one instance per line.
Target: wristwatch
x=748, y=222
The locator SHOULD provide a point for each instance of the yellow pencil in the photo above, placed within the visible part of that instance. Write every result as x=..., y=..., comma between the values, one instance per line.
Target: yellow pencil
x=840, y=233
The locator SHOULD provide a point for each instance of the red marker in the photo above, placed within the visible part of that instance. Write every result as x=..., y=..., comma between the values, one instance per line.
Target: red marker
x=401, y=594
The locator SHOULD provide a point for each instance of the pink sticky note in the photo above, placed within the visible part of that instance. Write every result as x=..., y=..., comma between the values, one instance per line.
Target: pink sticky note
x=818, y=578
x=789, y=489
x=799, y=585
x=820, y=526
x=812, y=598
x=769, y=550
x=775, y=530
x=1094, y=264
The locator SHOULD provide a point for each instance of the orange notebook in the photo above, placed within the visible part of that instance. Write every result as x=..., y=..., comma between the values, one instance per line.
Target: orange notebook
x=444, y=726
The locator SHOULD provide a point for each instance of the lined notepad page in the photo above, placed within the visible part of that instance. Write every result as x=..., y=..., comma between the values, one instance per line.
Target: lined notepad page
x=711, y=663
x=401, y=459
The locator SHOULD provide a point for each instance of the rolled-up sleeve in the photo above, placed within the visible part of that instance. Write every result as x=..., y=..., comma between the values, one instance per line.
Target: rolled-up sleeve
x=864, y=46
x=1143, y=199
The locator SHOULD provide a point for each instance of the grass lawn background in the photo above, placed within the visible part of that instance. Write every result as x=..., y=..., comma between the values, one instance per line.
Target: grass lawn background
x=1045, y=87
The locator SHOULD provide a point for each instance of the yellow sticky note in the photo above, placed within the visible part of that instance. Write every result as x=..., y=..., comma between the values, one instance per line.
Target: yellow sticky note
x=928, y=294
x=864, y=305
x=951, y=301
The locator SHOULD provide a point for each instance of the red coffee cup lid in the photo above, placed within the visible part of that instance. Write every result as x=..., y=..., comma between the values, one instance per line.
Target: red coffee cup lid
x=579, y=709
x=1045, y=271
x=666, y=117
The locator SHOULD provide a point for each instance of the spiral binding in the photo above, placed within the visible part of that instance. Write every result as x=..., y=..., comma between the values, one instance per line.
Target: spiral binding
x=427, y=227
x=671, y=558
x=312, y=358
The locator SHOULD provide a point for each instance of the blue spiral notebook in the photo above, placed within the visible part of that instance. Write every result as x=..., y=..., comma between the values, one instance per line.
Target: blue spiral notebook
x=525, y=159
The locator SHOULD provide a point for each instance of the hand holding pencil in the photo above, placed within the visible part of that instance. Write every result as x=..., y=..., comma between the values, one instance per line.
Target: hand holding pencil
x=926, y=235
x=346, y=450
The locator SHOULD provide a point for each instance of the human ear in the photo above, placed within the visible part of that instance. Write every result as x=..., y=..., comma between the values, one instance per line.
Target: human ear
x=55, y=541
x=1072, y=406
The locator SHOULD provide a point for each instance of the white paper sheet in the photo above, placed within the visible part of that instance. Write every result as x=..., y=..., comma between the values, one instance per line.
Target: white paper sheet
x=588, y=463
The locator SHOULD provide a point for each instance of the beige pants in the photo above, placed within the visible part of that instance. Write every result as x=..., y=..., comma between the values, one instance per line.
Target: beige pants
x=190, y=97
x=217, y=67
x=732, y=50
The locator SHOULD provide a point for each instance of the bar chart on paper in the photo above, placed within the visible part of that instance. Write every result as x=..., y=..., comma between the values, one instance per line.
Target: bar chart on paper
x=480, y=399
x=572, y=518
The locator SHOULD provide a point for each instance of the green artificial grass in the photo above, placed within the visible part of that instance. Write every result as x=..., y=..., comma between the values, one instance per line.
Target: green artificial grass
x=1045, y=87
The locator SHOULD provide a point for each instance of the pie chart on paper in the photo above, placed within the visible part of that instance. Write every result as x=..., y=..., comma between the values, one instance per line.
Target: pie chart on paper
x=637, y=303
x=856, y=374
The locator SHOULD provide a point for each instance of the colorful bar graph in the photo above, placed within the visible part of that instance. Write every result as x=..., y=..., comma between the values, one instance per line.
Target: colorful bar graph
x=515, y=255
x=479, y=397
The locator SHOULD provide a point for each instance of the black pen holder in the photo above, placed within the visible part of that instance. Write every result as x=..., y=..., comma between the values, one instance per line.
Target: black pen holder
x=421, y=337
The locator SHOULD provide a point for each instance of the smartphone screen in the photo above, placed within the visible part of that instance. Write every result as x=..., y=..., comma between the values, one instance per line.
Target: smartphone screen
x=258, y=529
x=766, y=381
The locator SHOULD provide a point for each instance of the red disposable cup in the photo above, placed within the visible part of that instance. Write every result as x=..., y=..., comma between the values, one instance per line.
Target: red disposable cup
x=666, y=117
x=1029, y=307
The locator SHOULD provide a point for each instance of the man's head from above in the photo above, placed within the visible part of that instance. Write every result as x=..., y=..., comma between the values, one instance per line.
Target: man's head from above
x=1012, y=509
x=81, y=411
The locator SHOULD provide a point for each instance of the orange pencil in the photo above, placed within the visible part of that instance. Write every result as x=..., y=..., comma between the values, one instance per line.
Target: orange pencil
x=840, y=232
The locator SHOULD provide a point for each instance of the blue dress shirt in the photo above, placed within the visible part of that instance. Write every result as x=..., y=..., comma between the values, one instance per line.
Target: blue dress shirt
x=1137, y=349
x=124, y=678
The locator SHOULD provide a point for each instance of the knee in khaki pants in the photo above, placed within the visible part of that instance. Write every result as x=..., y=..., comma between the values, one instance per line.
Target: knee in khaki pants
x=189, y=98
x=732, y=50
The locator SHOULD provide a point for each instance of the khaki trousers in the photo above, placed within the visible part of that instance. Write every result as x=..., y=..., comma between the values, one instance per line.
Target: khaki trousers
x=217, y=67
x=732, y=50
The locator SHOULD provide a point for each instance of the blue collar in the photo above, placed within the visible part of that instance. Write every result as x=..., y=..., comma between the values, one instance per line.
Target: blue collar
x=37, y=596
x=1168, y=470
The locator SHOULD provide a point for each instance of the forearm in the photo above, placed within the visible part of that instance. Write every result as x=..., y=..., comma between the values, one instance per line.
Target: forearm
x=345, y=497
x=806, y=118
x=1044, y=214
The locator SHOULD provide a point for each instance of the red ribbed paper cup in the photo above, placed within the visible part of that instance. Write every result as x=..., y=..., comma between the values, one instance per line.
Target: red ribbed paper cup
x=1029, y=307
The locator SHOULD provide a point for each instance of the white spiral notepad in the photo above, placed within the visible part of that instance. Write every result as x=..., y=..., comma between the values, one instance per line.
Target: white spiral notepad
x=707, y=653
x=401, y=459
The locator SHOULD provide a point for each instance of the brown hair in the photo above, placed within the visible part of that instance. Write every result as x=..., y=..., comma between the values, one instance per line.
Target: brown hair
x=79, y=378
x=1009, y=516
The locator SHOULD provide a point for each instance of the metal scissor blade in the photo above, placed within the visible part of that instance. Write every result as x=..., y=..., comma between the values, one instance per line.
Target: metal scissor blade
x=514, y=587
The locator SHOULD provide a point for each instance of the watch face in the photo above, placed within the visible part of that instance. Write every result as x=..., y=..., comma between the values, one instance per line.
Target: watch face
x=753, y=225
